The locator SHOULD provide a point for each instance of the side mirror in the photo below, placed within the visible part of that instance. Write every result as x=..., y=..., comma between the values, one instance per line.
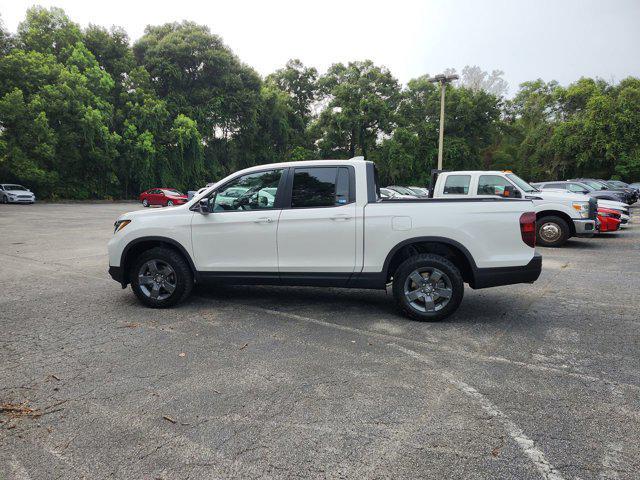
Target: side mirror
x=511, y=192
x=203, y=206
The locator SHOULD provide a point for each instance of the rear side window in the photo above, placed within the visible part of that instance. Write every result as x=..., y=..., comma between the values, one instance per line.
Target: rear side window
x=457, y=185
x=320, y=187
x=492, y=185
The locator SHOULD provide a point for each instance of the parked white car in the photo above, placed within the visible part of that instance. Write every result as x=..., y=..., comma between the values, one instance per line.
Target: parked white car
x=326, y=226
x=13, y=193
x=559, y=216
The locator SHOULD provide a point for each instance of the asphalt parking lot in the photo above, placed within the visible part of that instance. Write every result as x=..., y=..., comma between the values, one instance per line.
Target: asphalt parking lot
x=524, y=381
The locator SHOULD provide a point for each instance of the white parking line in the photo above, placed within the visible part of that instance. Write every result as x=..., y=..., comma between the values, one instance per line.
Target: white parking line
x=548, y=471
x=611, y=463
x=436, y=345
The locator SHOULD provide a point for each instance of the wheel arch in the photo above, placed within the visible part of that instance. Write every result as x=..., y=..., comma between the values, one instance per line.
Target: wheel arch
x=562, y=215
x=457, y=253
x=142, y=244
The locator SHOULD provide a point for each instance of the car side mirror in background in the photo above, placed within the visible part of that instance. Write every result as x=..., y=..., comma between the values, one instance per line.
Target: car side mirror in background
x=511, y=192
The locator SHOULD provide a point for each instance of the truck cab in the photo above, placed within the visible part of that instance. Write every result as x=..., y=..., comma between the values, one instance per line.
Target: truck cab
x=559, y=215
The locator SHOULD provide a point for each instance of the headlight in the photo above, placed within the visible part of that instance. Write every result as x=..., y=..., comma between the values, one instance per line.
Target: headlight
x=582, y=208
x=120, y=224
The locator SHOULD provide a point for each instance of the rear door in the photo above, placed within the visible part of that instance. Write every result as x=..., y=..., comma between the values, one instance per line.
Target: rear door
x=317, y=227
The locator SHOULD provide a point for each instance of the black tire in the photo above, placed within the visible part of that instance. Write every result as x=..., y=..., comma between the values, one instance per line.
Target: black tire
x=428, y=261
x=170, y=203
x=548, y=239
x=181, y=270
x=145, y=203
x=5, y=200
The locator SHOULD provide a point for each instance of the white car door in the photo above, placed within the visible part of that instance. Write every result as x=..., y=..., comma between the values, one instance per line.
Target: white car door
x=317, y=230
x=239, y=235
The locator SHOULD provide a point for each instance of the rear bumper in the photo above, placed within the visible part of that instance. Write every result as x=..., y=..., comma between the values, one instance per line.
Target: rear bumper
x=585, y=228
x=494, y=277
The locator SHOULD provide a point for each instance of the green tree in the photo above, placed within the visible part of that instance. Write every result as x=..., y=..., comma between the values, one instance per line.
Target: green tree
x=361, y=100
x=47, y=30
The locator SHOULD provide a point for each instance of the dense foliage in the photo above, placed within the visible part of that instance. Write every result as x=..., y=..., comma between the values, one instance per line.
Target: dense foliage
x=83, y=114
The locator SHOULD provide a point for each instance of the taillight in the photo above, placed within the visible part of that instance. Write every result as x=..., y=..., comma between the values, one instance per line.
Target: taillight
x=528, y=228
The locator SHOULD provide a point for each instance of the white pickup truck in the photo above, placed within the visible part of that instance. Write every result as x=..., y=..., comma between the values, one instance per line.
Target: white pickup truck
x=559, y=215
x=323, y=223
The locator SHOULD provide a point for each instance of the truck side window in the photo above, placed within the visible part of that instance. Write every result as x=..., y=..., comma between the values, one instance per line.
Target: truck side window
x=320, y=187
x=457, y=185
x=254, y=191
x=492, y=185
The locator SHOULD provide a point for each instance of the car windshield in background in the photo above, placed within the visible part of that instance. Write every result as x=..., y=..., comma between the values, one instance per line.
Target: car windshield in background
x=174, y=192
x=15, y=187
x=593, y=184
x=521, y=183
x=587, y=186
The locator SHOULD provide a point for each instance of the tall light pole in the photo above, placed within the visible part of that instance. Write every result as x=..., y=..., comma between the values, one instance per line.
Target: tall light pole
x=442, y=79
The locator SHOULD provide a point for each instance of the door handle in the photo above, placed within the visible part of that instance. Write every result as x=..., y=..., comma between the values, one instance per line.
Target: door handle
x=338, y=218
x=263, y=220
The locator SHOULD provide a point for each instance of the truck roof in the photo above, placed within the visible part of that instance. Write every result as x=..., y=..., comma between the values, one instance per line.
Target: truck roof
x=481, y=172
x=304, y=163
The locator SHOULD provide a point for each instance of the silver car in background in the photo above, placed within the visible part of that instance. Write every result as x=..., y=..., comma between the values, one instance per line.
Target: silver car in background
x=13, y=193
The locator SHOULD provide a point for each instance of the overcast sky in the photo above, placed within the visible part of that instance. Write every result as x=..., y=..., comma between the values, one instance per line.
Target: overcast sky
x=551, y=39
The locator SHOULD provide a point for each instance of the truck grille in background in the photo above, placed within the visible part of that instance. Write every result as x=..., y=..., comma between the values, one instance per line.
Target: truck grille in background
x=593, y=208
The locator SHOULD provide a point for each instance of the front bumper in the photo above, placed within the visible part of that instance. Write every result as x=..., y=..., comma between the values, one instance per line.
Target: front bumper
x=585, y=228
x=494, y=277
x=117, y=274
x=21, y=200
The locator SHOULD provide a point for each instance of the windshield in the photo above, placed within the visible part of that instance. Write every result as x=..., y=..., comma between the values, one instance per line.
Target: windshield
x=521, y=183
x=593, y=184
x=173, y=192
x=587, y=187
x=14, y=187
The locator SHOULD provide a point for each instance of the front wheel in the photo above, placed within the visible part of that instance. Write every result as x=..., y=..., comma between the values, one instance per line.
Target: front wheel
x=170, y=203
x=161, y=278
x=552, y=231
x=5, y=200
x=428, y=287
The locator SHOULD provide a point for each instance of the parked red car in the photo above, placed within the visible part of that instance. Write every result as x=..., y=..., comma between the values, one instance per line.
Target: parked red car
x=166, y=197
x=609, y=219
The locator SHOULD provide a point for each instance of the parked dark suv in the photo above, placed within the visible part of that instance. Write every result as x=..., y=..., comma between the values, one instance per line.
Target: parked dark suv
x=629, y=198
x=584, y=188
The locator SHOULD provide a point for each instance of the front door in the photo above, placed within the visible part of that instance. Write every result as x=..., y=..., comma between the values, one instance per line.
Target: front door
x=239, y=235
x=317, y=230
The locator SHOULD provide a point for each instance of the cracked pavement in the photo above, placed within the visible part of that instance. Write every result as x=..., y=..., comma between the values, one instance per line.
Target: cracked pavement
x=331, y=383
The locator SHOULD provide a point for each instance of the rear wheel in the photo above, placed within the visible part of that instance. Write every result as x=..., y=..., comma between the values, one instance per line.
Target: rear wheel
x=428, y=287
x=552, y=231
x=161, y=278
x=145, y=203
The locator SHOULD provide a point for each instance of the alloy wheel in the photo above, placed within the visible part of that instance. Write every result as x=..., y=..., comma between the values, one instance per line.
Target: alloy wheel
x=157, y=279
x=428, y=289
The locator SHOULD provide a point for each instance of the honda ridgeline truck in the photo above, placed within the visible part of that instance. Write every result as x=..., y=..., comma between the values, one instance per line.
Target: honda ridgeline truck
x=559, y=215
x=324, y=223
